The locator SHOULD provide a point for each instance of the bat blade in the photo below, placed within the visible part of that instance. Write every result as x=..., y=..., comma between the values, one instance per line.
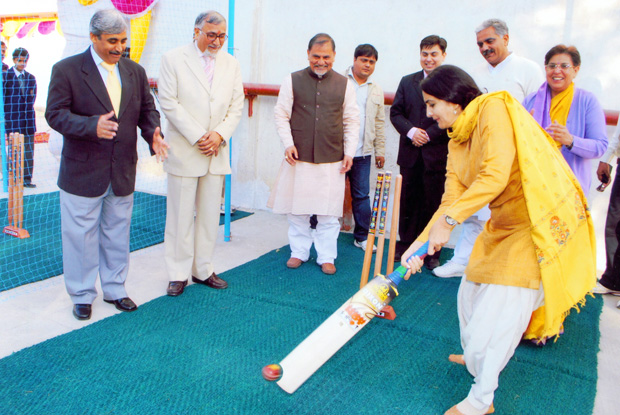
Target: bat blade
x=339, y=328
x=335, y=332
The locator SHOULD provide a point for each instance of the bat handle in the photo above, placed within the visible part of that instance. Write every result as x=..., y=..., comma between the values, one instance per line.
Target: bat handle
x=421, y=252
x=397, y=275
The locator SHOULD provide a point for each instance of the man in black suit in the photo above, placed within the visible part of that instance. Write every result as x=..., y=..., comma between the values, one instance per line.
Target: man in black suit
x=20, y=92
x=96, y=100
x=423, y=150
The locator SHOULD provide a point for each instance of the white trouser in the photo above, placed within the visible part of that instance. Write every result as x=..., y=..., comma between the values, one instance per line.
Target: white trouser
x=325, y=239
x=471, y=228
x=189, y=242
x=492, y=319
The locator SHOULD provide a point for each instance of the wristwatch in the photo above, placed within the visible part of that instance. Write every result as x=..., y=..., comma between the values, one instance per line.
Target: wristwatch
x=450, y=221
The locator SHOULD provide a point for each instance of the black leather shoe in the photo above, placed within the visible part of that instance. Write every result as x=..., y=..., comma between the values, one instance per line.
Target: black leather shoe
x=176, y=288
x=123, y=304
x=82, y=311
x=213, y=281
x=431, y=263
x=30, y=185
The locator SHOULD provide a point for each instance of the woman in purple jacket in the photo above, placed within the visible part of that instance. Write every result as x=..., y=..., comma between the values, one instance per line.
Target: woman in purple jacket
x=572, y=117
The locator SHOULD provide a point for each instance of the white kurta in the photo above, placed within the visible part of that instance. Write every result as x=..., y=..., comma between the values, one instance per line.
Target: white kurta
x=515, y=74
x=309, y=188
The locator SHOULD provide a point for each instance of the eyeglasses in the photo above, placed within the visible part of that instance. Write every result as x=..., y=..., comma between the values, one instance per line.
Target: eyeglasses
x=563, y=66
x=212, y=35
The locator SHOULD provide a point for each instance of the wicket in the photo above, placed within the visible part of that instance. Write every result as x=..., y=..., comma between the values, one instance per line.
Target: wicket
x=15, y=156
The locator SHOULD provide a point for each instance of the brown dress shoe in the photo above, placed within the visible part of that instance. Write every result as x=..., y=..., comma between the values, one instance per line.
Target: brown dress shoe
x=328, y=268
x=294, y=263
x=213, y=281
x=176, y=288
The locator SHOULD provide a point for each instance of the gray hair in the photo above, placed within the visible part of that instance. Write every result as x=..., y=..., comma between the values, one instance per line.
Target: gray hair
x=109, y=21
x=321, y=39
x=211, y=17
x=500, y=26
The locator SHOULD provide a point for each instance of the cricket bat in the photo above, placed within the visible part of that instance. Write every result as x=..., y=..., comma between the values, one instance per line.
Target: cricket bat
x=340, y=327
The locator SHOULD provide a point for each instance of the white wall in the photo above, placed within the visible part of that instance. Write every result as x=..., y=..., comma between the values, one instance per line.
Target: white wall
x=271, y=38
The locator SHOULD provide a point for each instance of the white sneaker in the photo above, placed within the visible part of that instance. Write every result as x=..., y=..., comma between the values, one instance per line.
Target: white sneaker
x=363, y=245
x=223, y=209
x=618, y=305
x=449, y=269
x=601, y=289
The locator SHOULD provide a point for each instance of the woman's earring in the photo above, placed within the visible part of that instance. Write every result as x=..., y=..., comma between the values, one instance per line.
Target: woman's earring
x=455, y=112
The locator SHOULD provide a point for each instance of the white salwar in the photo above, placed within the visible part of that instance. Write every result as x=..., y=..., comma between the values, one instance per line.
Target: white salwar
x=312, y=189
x=492, y=320
x=325, y=238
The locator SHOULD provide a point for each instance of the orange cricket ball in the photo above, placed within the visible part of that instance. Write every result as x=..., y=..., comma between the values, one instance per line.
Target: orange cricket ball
x=272, y=372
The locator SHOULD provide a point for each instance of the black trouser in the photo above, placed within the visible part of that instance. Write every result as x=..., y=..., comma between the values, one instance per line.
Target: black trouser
x=420, y=197
x=28, y=157
x=611, y=276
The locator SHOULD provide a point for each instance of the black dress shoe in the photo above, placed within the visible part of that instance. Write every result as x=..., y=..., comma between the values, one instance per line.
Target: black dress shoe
x=82, y=311
x=123, y=304
x=176, y=288
x=213, y=281
x=30, y=185
x=431, y=263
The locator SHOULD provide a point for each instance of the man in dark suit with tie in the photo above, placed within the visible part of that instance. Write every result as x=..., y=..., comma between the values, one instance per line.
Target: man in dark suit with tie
x=96, y=100
x=20, y=92
x=423, y=150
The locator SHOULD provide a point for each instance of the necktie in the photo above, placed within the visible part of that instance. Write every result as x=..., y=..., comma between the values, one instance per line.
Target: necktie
x=22, y=83
x=113, y=85
x=209, y=68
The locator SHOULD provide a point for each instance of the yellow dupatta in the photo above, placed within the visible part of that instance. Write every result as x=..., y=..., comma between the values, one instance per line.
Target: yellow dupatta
x=560, y=106
x=561, y=225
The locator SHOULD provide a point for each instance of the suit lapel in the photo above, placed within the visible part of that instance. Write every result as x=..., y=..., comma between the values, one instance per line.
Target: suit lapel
x=417, y=78
x=218, y=71
x=127, y=82
x=192, y=60
x=92, y=79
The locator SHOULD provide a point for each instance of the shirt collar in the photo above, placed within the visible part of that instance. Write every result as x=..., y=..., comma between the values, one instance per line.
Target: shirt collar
x=202, y=54
x=18, y=73
x=503, y=63
x=96, y=57
x=350, y=75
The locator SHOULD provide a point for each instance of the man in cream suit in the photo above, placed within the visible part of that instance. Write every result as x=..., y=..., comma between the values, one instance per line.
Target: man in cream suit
x=201, y=95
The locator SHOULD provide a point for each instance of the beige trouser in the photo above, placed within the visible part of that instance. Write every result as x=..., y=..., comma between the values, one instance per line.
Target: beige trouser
x=189, y=240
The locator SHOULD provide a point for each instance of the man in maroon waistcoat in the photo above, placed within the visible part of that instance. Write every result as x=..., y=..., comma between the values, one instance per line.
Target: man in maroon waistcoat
x=318, y=122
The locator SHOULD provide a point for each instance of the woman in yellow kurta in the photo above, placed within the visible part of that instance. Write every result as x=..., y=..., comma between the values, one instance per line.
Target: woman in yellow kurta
x=527, y=254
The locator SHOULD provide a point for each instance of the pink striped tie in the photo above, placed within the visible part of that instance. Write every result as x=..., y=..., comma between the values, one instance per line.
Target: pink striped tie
x=210, y=68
